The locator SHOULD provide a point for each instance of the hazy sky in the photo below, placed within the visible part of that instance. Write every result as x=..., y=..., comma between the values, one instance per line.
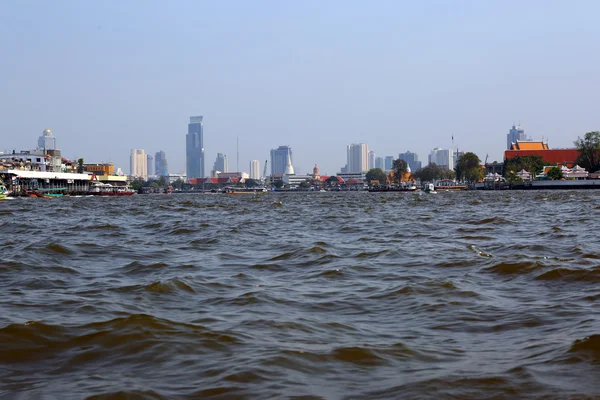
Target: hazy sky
x=108, y=76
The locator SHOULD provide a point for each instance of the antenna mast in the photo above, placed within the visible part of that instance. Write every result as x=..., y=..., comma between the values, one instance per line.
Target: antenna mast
x=238, y=154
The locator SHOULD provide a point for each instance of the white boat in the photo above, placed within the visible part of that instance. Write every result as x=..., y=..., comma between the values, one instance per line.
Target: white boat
x=3, y=192
x=429, y=188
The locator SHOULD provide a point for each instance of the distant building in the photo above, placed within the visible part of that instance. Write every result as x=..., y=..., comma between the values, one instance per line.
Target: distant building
x=563, y=157
x=357, y=158
x=389, y=162
x=515, y=133
x=442, y=158
x=379, y=163
x=255, y=169
x=47, y=141
x=221, y=164
x=137, y=164
x=161, y=167
x=279, y=157
x=412, y=160
x=150, y=165
x=371, y=160
x=195, y=148
x=104, y=169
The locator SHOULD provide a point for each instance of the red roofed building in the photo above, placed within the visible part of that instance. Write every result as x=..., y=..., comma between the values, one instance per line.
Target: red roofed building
x=567, y=157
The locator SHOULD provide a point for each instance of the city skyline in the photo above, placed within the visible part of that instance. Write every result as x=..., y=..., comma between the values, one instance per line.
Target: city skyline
x=297, y=60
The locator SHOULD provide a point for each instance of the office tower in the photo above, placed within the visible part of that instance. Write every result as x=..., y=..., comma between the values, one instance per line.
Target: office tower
x=442, y=158
x=515, y=133
x=279, y=158
x=221, y=163
x=137, y=163
x=389, y=161
x=150, y=164
x=371, y=161
x=412, y=160
x=47, y=141
x=195, y=148
x=161, y=167
x=255, y=169
x=379, y=163
x=357, y=157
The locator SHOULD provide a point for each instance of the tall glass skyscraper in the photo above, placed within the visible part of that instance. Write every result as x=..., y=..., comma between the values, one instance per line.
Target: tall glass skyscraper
x=279, y=159
x=221, y=163
x=412, y=160
x=161, y=168
x=515, y=133
x=195, y=149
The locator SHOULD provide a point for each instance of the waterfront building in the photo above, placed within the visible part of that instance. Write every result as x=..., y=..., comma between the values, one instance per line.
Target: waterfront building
x=412, y=160
x=221, y=164
x=137, y=164
x=516, y=133
x=47, y=141
x=279, y=159
x=371, y=160
x=161, y=167
x=566, y=157
x=255, y=169
x=389, y=162
x=357, y=158
x=379, y=163
x=442, y=158
x=150, y=165
x=195, y=148
x=101, y=169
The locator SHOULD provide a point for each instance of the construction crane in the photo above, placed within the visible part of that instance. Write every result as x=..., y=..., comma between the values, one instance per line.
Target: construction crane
x=265, y=172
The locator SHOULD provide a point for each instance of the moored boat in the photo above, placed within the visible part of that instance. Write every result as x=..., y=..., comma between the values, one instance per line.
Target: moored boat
x=106, y=189
x=253, y=190
x=449, y=184
x=3, y=192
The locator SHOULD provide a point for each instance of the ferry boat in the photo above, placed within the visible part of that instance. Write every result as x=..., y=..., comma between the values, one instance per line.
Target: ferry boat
x=253, y=190
x=49, y=193
x=449, y=184
x=106, y=189
x=409, y=188
x=3, y=192
x=429, y=188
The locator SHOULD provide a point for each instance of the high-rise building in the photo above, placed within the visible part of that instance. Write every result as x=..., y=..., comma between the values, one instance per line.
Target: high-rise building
x=161, y=168
x=195, y=148
x=442, y=158
x=221, y=163
x=279, y=158
x=357, y=157
x=47, y=141
x=371, y=160
x=379, y=163
x=389, y=162
x=412, y=160
x=150, y=165
x=515, y=133
x=255, y=169
x=137, y=163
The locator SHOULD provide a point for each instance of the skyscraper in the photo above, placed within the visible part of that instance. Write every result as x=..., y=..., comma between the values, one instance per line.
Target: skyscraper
x=379, y=163
x=137, y=164
x=195, y=148
x=149, y=164
x=358, y=157
x=515, y=133
x=389, y=161
x=47, y=141
x=279, y=158
x=255, y=169
x=371, y=160
x=221, y=163
x=161, y=168
x=412, y=160
x=442, y=158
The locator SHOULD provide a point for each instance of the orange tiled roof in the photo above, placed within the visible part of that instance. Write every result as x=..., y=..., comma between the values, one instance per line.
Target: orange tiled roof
x=519, y=145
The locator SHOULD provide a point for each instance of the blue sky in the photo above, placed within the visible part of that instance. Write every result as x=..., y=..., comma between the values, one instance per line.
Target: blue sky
x=108, y=76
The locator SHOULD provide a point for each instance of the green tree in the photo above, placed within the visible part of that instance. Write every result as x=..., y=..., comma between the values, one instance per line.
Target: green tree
x=400, y=168
x=154, y=184
x=555, y=174
x=532, y=164
x=80, y=166
x=251, y=183
x=589, y=148
x=433, y=172
x=278, y=184
x=178, y=184
x=468, y=168
x=305, y=185
x=376, y=174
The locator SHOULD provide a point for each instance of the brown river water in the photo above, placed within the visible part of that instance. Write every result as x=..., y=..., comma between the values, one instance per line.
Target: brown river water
x=306, y=295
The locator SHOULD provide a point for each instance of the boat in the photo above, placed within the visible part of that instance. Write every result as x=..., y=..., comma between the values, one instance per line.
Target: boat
x=449, y=184
x=49, y=193
x=3, y=192
x=106, y=189
x=429, y=188
x=240, y=190
x=403, y=188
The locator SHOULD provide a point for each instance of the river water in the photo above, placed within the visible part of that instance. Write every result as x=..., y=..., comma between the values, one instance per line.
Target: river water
x=315, y=295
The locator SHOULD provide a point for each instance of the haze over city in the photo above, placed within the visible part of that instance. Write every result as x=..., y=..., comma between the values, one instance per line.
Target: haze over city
x=107, y=77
